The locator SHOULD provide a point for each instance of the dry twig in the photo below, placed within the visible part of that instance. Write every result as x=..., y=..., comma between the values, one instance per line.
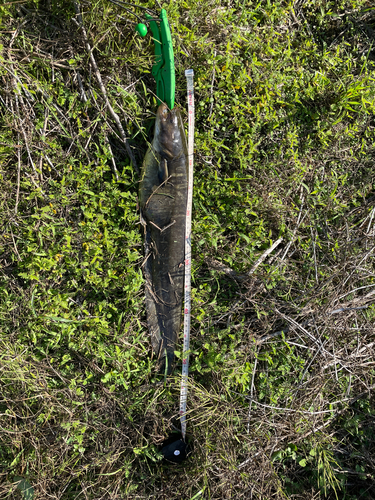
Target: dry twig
x=102, y=88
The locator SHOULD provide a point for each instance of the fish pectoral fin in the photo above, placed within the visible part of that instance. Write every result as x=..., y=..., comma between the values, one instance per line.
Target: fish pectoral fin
x=163, y=170
x=142, y=220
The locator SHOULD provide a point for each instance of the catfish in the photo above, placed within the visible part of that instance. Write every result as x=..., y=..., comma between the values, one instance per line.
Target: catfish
x=163, y=199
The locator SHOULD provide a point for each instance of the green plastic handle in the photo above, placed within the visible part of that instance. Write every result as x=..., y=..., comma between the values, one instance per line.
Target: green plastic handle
x=163, y=70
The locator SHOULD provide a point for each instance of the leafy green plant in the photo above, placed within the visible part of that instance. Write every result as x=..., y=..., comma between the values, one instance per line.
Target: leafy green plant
x=281, y=348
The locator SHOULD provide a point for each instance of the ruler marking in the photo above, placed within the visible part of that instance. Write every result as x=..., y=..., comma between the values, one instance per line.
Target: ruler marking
x=187, y=307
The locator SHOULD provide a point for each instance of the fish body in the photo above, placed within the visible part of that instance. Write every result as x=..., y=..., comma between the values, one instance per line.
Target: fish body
x=163, y=199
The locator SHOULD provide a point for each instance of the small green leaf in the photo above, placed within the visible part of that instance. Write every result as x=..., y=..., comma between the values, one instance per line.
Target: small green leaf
x=25, y=488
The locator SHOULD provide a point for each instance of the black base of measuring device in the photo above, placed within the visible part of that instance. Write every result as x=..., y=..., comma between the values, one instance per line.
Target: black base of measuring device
x=175, y=449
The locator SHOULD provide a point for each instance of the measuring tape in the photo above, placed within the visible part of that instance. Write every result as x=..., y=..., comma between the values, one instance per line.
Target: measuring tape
x=189, y=73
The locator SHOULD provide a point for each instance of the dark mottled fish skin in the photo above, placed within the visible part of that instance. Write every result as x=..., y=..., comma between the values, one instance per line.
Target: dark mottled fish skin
x=163, y=198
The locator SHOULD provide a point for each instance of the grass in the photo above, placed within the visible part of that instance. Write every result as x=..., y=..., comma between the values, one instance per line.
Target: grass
x=282, y=365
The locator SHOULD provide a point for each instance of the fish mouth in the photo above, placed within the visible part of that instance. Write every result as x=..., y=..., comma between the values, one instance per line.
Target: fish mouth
x=162, y=110
x=167, y=131
x=163, y=113
x=166, y=120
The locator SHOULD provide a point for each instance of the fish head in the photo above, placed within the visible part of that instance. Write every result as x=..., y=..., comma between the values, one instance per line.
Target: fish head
x=169, y=137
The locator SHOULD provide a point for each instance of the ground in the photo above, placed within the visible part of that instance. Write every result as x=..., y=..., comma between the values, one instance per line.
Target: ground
x=280, y=396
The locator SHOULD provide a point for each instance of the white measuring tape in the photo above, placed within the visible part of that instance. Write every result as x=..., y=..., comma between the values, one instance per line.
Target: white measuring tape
x=189, y=73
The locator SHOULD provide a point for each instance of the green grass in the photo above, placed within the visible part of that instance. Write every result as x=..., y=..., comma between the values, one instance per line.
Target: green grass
x=281, y=365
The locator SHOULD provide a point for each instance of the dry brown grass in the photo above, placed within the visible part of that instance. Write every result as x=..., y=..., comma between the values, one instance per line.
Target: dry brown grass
x=280, y=396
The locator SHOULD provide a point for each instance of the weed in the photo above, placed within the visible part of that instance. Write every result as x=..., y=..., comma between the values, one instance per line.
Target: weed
x=281, y=363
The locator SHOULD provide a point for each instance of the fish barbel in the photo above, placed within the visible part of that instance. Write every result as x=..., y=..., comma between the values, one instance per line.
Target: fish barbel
x=163, y=199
